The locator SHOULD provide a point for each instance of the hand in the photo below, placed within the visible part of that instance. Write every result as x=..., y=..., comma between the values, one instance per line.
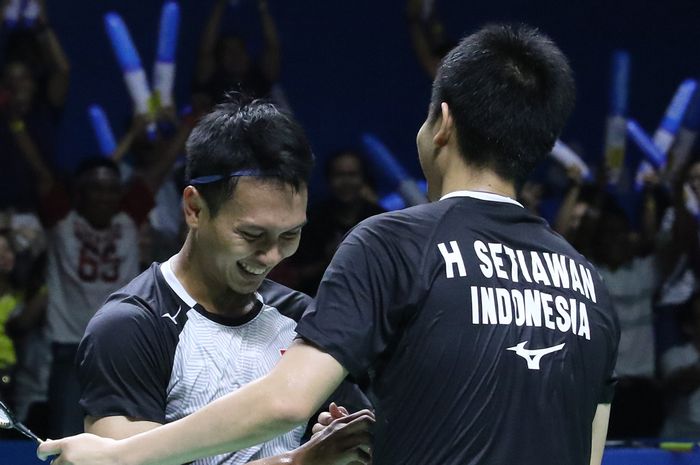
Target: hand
x=651, y=180
x=574, y=174
x=43, y=16
x=83, y=449
x=139, y=123
x=346, y=441
x=326, y=418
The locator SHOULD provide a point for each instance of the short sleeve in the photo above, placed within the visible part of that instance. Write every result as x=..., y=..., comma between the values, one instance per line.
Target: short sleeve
x=123, y=364
x=362, y=301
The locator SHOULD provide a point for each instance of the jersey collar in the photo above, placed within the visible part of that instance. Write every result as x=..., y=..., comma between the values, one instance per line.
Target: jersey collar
x=491, y=197
x=166, y=269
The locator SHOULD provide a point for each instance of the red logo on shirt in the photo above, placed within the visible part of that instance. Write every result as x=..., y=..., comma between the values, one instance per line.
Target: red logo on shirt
x=282, y=351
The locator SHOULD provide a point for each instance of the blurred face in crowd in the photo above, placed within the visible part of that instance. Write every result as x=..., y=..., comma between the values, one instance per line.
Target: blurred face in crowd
x=7, y=256
x=346, y=178
x=233, y=56
x=99, y=196
x=254, y=230
x=20, y=83
x=615, y=241
x=694, y=177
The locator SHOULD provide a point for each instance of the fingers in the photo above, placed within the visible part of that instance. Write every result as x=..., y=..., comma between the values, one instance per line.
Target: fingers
x=337, y=412
x=354, y=423
x=48, y=448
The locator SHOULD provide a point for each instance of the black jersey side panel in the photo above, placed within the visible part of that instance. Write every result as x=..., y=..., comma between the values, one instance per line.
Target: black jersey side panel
x=125, y=358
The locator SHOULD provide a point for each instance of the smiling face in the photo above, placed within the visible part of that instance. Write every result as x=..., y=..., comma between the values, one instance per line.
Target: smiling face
x=254, y=230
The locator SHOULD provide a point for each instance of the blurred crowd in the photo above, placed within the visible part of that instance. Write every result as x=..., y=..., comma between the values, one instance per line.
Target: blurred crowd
x=69, y=240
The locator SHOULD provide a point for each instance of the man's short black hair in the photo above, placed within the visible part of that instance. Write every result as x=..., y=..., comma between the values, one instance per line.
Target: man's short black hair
x=244, y=134
x=510, y=91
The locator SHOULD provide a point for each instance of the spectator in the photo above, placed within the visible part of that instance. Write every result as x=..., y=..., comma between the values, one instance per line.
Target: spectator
x=347, y=205
x=33, y=89
x=225, y=63
x=680, y=366
x=92, y=251
x=680, y=264
x=160, y=153
x=628, y=265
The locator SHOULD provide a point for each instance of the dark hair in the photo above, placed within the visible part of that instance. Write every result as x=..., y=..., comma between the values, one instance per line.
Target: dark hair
x=94, y=162
x=245, y=134
x=510, y=91
x=334, y=156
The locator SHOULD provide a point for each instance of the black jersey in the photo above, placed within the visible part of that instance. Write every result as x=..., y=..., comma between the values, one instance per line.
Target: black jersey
x=484, y=337
x=152, y=353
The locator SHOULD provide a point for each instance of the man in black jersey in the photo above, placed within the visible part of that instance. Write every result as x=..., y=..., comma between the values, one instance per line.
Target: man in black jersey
x=482, y=335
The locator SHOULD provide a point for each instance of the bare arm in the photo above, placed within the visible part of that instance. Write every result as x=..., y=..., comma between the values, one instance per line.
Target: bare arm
x=120, y=427
x=117, y=427
x=270, y=62
x=207, y=59
x=649, y=213
x=158, y=171
x=428, y=60
x=31, y=154
x=56, y=58
x=287, y=396
x=600, y=431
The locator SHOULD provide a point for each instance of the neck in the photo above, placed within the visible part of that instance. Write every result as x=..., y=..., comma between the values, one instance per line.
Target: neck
x=464, y=177
x=208, y=290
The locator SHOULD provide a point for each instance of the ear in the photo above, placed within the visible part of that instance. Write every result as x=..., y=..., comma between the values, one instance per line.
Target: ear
x=445, y=127
x=193, y=206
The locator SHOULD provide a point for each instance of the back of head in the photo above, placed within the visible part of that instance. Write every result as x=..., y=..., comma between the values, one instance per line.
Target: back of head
x=510, y=91
x=246, y=136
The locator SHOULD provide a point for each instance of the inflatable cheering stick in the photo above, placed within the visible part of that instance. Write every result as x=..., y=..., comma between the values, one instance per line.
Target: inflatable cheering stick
x=392, y=171
x=102, y=130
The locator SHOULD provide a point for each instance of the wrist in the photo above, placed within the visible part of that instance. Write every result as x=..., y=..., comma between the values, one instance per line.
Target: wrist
x=290, y=458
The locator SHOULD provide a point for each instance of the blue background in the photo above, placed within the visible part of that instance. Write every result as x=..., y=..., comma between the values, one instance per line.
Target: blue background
x=348, y=66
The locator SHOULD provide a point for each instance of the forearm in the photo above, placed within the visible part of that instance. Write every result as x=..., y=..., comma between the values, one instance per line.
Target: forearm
x=225, y=425
x=117, y=427
x=211, y=30
x=58, y=63
x=154, y=175
x=261, y=410
x=649, y=222
x=271, y=54
x=31, y=154
x=599, y=433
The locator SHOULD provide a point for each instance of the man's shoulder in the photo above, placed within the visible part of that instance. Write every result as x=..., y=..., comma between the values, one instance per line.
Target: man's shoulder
x=141, y=300
x=288, y=302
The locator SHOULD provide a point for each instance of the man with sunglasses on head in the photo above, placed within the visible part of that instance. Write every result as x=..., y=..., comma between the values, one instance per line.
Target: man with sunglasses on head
x=206, y=322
